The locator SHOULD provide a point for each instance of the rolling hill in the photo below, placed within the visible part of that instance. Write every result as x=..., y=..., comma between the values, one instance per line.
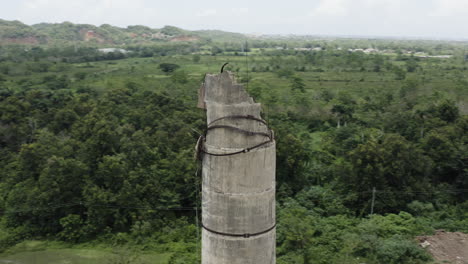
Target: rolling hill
x=16, y=32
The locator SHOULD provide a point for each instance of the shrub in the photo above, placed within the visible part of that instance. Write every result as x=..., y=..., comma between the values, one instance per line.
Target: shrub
x=72, y=228
x=397, y=250
x=168, y=67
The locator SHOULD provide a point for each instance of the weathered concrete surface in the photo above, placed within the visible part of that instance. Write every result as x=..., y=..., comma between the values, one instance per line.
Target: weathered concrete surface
x=239, y=190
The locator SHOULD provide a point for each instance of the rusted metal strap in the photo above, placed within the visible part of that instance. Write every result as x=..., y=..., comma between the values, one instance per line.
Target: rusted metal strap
x=250, y=133
x=203, y=150
x=246, y=235
x=200, y=144
x=239, y=117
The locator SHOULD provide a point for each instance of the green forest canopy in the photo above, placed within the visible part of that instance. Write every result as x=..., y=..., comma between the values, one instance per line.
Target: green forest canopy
x=99, y=147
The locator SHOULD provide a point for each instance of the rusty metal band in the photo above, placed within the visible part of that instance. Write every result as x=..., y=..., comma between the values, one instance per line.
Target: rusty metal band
x=250, y=133
x=246, y=235
x=201, y=148
x=239, y=117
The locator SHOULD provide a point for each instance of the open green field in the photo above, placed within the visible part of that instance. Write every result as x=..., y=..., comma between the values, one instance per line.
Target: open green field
x=257, y=70
x=41, y=252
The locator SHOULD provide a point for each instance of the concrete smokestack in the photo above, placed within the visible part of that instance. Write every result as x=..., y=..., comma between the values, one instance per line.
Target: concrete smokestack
x=238, y=170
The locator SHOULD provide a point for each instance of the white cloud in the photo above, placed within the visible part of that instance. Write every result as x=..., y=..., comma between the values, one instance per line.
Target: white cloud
x=116, y=12
x=331, y=8
x=349, y=7
x=240, y=11
x=207, y=12
x=383, y=5
x=235, y=12
x=448, y=8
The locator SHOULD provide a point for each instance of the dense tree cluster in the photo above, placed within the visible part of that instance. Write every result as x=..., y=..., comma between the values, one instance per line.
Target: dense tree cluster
x=104, y=150
x=121, y=149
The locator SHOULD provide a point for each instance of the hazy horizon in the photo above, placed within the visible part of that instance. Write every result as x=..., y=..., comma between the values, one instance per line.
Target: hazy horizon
x=430, y=19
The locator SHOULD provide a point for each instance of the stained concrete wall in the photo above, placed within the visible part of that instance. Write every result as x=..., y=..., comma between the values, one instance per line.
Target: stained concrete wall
x=238, y=191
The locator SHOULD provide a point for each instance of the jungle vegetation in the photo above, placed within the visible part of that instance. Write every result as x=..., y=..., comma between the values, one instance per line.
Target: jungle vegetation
x=97, y=148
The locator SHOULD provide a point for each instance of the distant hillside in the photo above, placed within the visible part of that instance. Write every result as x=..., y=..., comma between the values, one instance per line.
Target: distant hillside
x=15, y=32
x=220, y=35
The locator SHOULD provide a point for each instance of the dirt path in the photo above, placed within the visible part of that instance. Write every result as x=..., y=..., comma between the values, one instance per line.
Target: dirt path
x=446, y=247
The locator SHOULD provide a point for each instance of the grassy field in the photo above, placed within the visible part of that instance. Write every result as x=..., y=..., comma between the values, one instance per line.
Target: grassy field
x=41, y=252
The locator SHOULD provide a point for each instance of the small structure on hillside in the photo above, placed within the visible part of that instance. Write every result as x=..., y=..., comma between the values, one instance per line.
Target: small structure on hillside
x=238, y=170
x=109, y=50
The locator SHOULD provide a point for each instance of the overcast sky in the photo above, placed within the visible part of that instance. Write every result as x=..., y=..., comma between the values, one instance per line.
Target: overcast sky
x=404, y=18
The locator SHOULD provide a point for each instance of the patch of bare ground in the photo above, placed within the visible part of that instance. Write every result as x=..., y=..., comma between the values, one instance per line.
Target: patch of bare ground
x=446, y=247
